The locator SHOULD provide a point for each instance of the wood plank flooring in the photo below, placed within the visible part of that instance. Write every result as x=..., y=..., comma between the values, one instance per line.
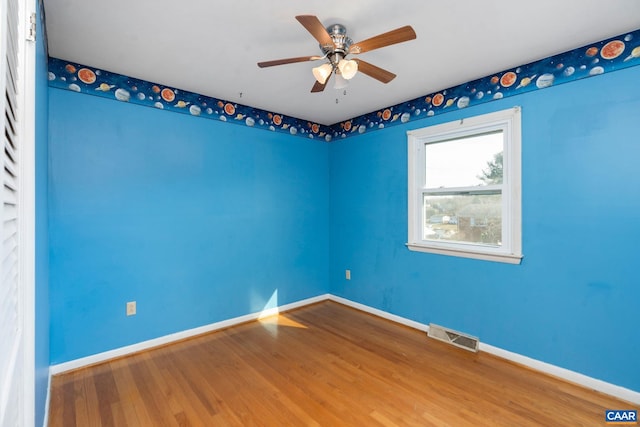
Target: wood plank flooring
x=321, y=365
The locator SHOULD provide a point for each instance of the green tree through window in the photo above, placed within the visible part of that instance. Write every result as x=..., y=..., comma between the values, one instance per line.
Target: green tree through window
x=493, y=173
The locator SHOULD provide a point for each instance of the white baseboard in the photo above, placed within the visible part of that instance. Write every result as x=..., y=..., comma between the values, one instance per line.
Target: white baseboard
x=547, y=368
x=156, y=342
x=565, y=374
x=380, y=313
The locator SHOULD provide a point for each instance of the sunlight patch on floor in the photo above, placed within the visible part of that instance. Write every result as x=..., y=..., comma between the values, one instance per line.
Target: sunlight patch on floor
x=270, y=317
x=281, y=320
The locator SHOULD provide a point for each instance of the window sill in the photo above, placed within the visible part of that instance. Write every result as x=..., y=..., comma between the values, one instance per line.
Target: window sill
x=506, y=258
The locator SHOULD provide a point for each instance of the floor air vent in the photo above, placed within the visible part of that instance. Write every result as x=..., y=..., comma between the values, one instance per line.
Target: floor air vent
x=452, y=337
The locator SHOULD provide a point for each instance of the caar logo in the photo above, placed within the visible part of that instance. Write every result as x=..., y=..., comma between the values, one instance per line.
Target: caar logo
x=621, y=416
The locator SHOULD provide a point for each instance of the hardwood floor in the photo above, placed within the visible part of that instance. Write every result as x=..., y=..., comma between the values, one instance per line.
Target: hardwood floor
x=320, y=365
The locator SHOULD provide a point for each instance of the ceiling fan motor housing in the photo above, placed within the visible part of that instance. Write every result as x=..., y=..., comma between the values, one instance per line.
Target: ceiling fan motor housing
x=341, y=43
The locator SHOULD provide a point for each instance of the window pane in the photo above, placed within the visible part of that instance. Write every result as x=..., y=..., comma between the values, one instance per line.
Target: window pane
x=465, y=218
x=475, y=160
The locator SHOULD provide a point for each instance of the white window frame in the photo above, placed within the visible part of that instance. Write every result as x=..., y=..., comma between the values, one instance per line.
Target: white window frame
x=509, y=122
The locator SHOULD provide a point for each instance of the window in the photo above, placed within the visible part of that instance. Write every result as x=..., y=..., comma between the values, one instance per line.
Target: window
x=464, y=188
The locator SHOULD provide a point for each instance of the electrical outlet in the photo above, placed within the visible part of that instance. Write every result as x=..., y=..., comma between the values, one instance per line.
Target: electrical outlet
x=347, y=274
x=131, y=308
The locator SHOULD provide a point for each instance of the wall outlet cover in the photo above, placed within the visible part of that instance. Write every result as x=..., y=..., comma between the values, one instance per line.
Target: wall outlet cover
x=131, y=308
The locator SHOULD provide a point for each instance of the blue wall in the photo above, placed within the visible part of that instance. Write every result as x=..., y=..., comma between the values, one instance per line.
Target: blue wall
x=573, y=301
x=41, y=231
x=198, y=221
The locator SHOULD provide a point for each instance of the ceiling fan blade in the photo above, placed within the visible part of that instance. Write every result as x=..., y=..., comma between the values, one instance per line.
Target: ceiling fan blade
x=376, y=72
x=398, y=35
x=317, y=30
x=288, y=61
x=318, y=87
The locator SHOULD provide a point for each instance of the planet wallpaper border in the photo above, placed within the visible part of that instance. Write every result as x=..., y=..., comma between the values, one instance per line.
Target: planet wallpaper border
x=591, y=60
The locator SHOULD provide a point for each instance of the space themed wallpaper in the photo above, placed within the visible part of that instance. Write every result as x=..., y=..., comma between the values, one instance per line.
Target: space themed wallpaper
x=597, y=58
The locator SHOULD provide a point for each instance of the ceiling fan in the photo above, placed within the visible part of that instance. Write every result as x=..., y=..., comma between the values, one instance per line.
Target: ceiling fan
x=336, y=46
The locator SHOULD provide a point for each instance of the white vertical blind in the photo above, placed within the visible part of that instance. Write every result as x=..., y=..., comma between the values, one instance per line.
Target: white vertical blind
x=11, y=329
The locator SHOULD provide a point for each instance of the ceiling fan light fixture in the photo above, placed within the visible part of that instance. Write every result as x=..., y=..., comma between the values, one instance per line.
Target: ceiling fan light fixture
x=340, y=82
x=322, y=73
x=348, y=68
x=336, y=45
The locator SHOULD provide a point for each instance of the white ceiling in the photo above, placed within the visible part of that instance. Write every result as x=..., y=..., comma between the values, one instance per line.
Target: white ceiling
x=212, y=47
